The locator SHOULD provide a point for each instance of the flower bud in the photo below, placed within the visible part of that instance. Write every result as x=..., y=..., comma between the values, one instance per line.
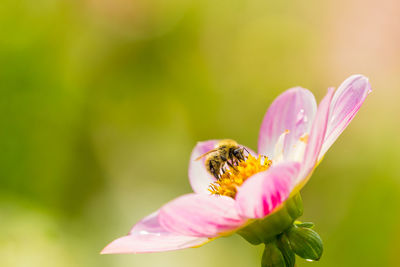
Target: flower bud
x=286, y=250
x=272, y=256
x=305, y=242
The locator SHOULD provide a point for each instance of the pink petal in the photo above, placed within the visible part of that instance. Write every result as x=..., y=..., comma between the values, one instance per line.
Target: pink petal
x=293, y=110
x=317, y=135
x=265, y=191
x=345, y=104
x=199, y=177
x=200, y=215
x=148, y=236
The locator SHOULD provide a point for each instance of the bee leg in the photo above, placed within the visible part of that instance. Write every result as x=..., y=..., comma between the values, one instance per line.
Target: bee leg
x=216, y=175
x=221, y=172
x=213, y=171
x=237, y=161
x=232, y=158
x=230, y=165
x=234, y=161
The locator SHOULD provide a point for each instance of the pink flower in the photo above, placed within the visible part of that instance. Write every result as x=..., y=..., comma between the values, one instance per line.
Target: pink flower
x=294, y=134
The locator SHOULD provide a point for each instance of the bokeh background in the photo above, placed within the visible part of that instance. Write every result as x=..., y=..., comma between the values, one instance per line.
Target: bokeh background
x=102, y=102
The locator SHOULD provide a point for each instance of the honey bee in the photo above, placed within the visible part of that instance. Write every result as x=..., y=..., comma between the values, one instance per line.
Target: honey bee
x=226, y=152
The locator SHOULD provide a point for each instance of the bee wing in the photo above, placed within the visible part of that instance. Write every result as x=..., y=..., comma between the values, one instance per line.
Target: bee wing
x=205, y=154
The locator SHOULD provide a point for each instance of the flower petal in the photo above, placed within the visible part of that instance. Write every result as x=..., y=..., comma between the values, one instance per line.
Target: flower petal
x=199, y=177
x=317, y=135
x=148, y=236
x=345, y=104
x=293, y=110
x=265, y=191
x=200, y=215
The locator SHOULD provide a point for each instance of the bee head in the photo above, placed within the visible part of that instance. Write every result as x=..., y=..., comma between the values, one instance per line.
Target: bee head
x=239, y=153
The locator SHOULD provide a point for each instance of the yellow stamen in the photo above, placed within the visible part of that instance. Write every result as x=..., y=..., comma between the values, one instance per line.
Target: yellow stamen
x=304, y=138
x=228, y=183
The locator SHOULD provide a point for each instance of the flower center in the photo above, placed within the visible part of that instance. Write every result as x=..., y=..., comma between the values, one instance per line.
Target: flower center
x=232, y=178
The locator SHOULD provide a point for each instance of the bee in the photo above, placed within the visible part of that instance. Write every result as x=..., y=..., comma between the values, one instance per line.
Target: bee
x=226, y=152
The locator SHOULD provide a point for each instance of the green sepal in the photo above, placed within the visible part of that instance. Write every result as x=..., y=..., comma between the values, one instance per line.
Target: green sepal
x=266, y=229
x=304, y=224
x=287, y=252
x=305, y=242
x=272, y=256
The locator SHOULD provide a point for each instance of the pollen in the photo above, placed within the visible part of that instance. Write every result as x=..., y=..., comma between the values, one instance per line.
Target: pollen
x=229, y=181
x=304, y=138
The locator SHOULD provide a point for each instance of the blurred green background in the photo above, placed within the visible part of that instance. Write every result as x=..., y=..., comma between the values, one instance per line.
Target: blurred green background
x=102, y=102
